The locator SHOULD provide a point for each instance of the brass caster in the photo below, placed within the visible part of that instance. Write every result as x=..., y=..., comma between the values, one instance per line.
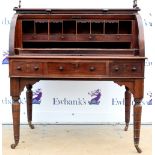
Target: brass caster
x=138, y=149
x=31, y=125
x=13, y=146
x=126, y=127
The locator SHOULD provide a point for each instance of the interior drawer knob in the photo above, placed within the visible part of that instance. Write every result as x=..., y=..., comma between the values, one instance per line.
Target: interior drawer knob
x=19, y=68
x=116, y=69
x=134, y=69
x=61, y=68
x=90, y=37
x=34, y=37
x=92, y=68
x=118, y=37
x=36, y=68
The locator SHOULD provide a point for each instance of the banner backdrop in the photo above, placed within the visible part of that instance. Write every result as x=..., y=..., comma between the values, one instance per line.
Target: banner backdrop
x=75, y=101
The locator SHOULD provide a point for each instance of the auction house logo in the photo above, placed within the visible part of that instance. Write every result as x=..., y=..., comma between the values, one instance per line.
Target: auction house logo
x=37, y=94
x=94, y=100
x=146, y=101
x=95, y=97
x=5, y=59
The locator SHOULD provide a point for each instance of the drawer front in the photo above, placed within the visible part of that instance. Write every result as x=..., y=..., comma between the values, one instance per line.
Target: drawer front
x=27, y=68
x=27, y=37
x=63, y=37
x=77, y=69
x=126, y=69
x=84, y=37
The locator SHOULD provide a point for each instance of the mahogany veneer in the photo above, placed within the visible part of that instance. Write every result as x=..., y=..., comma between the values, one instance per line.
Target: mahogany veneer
x=77, y=44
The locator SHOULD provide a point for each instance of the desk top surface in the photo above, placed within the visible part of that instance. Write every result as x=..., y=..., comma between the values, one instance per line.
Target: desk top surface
x=74, y=11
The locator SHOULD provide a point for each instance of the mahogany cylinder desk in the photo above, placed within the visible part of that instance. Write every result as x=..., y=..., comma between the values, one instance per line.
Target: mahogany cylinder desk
x=77, y=44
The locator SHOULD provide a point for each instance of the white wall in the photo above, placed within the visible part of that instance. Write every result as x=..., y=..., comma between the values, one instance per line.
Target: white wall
x=57, y=96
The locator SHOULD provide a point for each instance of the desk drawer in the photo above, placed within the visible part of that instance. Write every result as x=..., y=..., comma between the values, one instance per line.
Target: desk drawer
x=28, y=37
x=126, y=69
x=76, y=69
x=20, y=68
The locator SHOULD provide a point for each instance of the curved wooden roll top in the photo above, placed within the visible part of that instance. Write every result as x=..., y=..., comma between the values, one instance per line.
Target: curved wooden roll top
x=140, y=35
x=12, y=35
x=73, y=31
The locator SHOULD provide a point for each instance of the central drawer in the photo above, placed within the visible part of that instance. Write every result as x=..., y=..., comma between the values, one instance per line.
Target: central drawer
x=77, y=69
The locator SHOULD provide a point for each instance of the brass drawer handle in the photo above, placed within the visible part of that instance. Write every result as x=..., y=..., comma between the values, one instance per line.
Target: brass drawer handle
x=134, y=69
x=36, y=68
x=92, y=68
x=116, y=69
x=19, y=68
x=61, y=68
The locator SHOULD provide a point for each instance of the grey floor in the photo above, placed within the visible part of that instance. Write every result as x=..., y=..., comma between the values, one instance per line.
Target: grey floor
x=76, y=140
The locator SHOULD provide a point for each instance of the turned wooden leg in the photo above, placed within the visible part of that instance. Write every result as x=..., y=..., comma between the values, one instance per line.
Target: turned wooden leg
x=16, y=120
x=127, y=107
x=29, y=105
x=137, y=123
